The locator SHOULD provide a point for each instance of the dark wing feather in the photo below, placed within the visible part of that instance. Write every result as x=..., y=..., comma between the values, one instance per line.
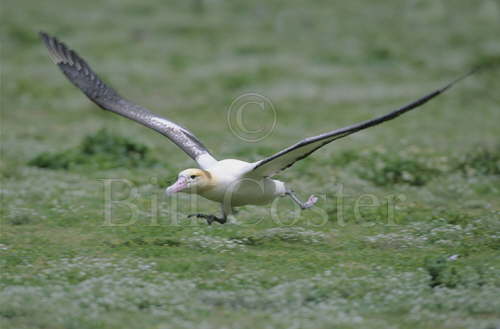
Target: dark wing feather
x=287, y=157
x=82, y=76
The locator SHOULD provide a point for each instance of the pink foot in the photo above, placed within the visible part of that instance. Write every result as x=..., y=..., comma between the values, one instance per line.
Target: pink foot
x=310, y=202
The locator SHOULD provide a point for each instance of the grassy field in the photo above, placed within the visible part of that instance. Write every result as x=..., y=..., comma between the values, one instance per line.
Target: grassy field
x=407, y=231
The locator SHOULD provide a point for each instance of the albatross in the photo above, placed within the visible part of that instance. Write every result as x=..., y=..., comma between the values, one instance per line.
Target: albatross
x=230, y=182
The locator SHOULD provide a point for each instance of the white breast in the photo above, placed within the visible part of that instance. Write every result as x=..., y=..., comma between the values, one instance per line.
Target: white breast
x=233, y=187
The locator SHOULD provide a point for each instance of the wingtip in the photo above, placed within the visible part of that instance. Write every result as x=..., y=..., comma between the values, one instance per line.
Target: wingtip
x=472, y=71
x=54, y=46
x=45, y=37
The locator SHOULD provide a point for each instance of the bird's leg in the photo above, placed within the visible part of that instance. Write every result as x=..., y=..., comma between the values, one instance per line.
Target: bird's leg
x=211, y=218
x=303, y=205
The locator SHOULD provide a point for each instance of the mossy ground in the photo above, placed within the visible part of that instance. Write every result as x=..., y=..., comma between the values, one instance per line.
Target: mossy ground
x=406, y=234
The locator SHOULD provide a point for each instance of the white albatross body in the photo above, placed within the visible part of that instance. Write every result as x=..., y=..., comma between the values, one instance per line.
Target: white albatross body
x=234, y=187
x=230, y=182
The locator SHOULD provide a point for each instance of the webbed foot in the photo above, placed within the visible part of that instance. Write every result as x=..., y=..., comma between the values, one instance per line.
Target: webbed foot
x=303, y=205
x=209, y=218
x=310, y=202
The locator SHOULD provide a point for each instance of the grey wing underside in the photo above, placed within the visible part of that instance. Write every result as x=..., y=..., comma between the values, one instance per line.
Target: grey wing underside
x=287, y=157
x=82, y=76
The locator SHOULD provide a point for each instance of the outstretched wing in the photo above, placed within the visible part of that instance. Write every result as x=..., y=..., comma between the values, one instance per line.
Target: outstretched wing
x=82, y=76
x=287, y=157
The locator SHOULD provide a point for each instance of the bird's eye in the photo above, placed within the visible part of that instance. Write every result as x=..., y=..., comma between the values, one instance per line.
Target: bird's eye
x=193, y=176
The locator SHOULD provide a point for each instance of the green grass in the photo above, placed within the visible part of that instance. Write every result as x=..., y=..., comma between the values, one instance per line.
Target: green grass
x=100, y=151
x=406, y=233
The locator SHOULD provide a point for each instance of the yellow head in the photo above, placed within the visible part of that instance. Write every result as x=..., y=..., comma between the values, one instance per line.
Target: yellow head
x=191, y=181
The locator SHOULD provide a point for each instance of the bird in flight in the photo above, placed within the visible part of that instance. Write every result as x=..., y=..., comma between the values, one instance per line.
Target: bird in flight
x=230, y=182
